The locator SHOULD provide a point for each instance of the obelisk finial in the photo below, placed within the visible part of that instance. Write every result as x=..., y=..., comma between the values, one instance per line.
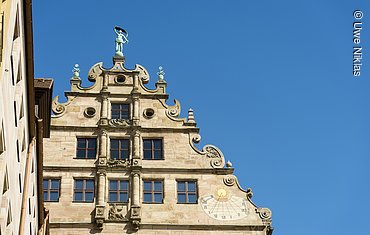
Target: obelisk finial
x=121, y=39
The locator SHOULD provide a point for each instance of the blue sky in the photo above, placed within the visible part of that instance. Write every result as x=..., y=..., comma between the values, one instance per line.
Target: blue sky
x=270, y=82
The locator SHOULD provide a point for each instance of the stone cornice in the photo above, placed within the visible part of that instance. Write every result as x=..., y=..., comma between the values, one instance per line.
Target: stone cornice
x=220, y=171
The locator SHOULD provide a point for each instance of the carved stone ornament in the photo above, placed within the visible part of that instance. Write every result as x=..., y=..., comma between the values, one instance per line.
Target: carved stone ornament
x=210, y=151
x=117, y=212
x=99, y=211
x=119, y=122
x=265, y=213
x=135, y=212
x=59, y=108
x=229, y=180
x=99, y=222
x=118, y=163
x=135, y=224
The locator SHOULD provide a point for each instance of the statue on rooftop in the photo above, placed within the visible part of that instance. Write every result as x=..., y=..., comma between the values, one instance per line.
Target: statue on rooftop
x=121, y=39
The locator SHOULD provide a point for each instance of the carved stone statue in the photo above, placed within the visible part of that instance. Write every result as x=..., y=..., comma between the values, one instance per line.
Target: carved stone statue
x=121, y=39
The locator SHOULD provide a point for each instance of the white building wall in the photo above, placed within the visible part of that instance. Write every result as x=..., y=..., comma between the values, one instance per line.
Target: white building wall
x=14, y=126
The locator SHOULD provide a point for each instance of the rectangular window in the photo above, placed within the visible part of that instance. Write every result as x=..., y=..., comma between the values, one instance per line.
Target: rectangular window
x=86, y=148
x=15, y=114
x=118, y=190
x=119, y=149
x=153, y=191
x=51, y=188
x=120, y=111
x=83, y=190
x=153, y=149
x=187, y=192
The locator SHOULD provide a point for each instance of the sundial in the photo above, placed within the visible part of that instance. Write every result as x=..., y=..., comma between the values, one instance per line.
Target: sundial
x=224, y=206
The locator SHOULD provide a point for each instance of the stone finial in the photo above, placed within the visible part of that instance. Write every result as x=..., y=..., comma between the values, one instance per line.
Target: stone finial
x=229, y=164
x=76, y=71
x=160, y=74
x=121, y=39
x=191, y=116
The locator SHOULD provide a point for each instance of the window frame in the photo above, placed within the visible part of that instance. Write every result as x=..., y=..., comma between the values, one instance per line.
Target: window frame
x=86, y=149
x=119, y=148
x=152, y=191
x=83, y=190
x=152, y=149
x=49, y=189
x=120, y=111
x=187, y=192
x=118, y=191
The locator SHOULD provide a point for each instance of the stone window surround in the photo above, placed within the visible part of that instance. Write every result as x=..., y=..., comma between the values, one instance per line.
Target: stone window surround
x=162, y=148
x=152, y=191
x=121, y=103
x=120, y=138
x=87, y=137
x=119, y=190
x=49, y=189
x=186, y=192
x=84, y=189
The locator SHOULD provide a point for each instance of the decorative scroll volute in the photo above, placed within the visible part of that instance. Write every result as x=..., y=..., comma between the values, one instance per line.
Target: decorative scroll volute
x=217, y=159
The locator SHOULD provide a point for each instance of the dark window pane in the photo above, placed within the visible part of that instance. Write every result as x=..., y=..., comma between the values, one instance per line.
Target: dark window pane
x=91, y=154
x=157, y=154
x=89, y=197
x=113, y=185
x=115, y=115
x=147, y=185
x=78, y=197
x=45, y=196
x=158, y=197
x=124, y=185
x=147, y=154
x=123, y=197
x=78, y=184
x=147, y=197
x=81, y=153
x=147, y=144
x=81, y=143
x=114, y=144
x=191, y=186
x=89, y=184
x=157, y=144
x=124, y=154
x=114, y=154
x=45, y=183
x=181, y=186
x=124, y=144
x=91, y=143
x=54, y=196
x=181, y=198
x=54, y=184
x=192, y=198
x=113, y=197
x=158, y=186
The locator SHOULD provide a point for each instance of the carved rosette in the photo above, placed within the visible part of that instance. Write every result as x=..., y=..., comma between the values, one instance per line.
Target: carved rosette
x=118, y=163
x=264, y=213
x=119, y=123
x=117, y=212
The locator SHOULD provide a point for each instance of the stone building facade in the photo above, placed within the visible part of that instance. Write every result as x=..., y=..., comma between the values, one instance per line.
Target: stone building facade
x=120, y=160
x=24, y=121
